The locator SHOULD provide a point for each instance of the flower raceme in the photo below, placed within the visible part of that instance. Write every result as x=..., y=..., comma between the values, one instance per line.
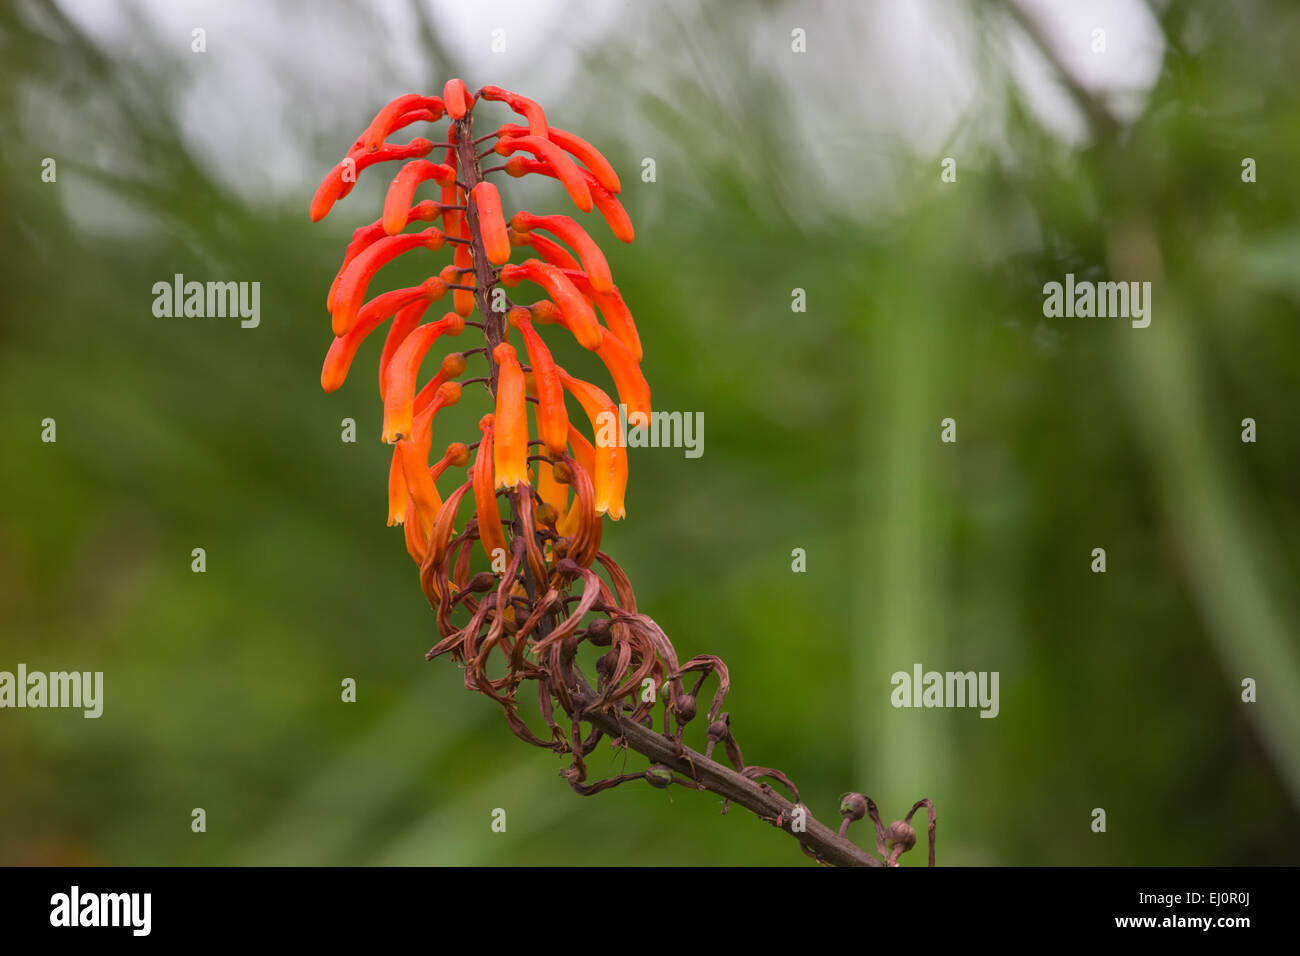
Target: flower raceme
x=559, y=484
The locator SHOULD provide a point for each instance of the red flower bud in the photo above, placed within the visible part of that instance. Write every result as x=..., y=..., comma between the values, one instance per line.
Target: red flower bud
x=457, y=97
x=510, y=438
x=552, y=417
x=340, y=180
x=391, y=116
x=356, y=278
x=575, y=310
x=564, y=169
x=397, y=204
x=567, y=230
x=453, y=366
x=491, y=223
x=404, y=323
x=521, y=105
x=399, y=383
x=576, y=147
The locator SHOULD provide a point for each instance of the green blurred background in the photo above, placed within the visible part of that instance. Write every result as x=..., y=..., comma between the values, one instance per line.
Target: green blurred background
x=775, y=170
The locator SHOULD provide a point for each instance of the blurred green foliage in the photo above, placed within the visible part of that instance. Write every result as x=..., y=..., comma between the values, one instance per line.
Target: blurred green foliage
x=1118, y=691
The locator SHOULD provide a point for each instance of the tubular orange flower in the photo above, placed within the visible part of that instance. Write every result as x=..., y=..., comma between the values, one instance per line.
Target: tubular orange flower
x=575, y=310
x=336, y=184
x=490, y=533
x=552, y=418
x=416, y=475
x=491, y=224
x=405, y=322
x=463, y=260
x=523, y=106
x=609, y=471
x=549, y=250
x=633, y=390
x=576, y=147
x=457, y=98
x=566, y=230
x=399, y=384
x=564, y=169
x=609, y=207
x=510, y=437
x=389, y=119
x=344, y=348
x=366, y=236
x=397, y=203
x=356, y=279
x=617, y=315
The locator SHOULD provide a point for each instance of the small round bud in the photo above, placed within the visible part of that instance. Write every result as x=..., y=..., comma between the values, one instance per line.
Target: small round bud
x=684, y=706
x=598, y=632
x=563, y=474
x=457, y=454
x=720, y=729
x=546, y=514
x=900, y=833
x=453, y=365
x=853, y=806
x=658, y=776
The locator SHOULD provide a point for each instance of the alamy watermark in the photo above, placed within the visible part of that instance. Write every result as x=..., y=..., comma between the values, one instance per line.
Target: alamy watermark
x=952, y=689
x=208, y=300
x=1085, y=299
x=83, y=690
x=664, y=430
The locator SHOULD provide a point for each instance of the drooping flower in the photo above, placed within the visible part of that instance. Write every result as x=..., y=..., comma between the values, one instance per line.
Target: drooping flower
x=490, y=531
x=390, y=118
x=566, y=230
x=552, y=417
x=399, y=384
x=575, y=311
x=609, y=207
x=537, y=125
x=510, y=437
x=578, y=148
x=609, y=467
x=565, y=170
x=352, y=287
x=343, y=177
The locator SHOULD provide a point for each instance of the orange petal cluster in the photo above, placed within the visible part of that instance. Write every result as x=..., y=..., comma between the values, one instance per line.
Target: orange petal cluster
x=577, y=480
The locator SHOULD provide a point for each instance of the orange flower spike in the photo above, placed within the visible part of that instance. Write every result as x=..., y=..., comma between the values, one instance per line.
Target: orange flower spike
x=356, y=279
x=404, y=323
x=633, y=390
x=453, y=365
x=550, y=251
x=575, y=310
x=491, y=223
x=552, y=417
x=397, y=203
x=457, y=98
x=609, y=207
x=563, y=168
x=567, y=230
x=510, y=439
x=578, y=148
x=389, y=118
x=344, y=348
x=609, y=472
x=339, y=181
x=490, y=532
x=399, y=384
